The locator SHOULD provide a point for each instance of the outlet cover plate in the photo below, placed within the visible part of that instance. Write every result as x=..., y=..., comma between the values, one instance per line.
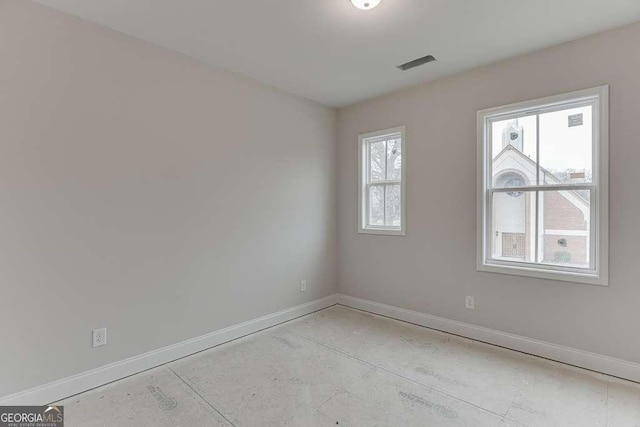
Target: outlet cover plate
x=99, y=337
x=470, y=303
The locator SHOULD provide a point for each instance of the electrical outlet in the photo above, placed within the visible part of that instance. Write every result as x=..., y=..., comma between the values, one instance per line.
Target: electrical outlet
x=99, y=337
x=470, y=303
x=303, y=286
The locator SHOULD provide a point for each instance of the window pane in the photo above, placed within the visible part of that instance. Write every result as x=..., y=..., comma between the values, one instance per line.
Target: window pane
x=376, y=205
x=508, y=179
x=394, y=160
x=513, y=145
x=393, y=214
x=513, y=228
x=565, y=228
x=378, y=157
x=566, y=143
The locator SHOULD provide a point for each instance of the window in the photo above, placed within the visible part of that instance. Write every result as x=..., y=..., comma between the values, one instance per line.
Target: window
x=543, y=188
x=382, y=182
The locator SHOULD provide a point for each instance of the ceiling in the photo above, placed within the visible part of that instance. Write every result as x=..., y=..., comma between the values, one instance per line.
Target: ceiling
x=333, y=53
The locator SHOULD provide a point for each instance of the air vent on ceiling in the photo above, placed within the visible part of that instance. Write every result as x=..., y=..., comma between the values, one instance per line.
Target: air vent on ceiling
x=416, y=62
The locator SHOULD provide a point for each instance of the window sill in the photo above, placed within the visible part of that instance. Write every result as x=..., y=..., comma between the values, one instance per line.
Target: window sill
x=383, y=231
x=588, y=278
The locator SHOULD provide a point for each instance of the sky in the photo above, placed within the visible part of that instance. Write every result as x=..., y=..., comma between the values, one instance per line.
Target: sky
x=561, y=147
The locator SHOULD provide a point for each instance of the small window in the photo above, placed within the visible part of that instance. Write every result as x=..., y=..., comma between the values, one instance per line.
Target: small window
x=543, y=188
x=382, y=182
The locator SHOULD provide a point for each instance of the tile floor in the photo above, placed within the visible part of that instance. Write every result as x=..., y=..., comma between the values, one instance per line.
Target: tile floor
x=345, y=367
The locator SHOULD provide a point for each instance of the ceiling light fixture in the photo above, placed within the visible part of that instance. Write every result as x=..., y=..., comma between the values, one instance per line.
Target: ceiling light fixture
x=365, y=4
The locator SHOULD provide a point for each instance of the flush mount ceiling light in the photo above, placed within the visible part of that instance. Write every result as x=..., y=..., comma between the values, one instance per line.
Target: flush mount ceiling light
x=365, y=4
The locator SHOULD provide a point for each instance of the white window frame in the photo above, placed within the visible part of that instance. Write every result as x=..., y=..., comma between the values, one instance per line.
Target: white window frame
x=598, y=274
x=364, y=184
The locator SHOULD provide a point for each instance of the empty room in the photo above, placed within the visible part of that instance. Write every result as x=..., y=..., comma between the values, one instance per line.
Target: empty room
x=319, y=213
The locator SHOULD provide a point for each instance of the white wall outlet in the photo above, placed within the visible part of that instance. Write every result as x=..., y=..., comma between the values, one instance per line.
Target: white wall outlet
x=99, y=337
x=303, y=285
x=470, y=303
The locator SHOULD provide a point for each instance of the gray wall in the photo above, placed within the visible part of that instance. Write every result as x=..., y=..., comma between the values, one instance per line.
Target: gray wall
x=433, y=267
x=144, y=192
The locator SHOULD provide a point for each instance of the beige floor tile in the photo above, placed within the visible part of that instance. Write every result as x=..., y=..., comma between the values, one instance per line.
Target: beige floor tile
x=623, y=408
x=451, y=364
x=559, y=395
x=386, y=399
x=153, y=398
x=349, y=368
x=269, y=378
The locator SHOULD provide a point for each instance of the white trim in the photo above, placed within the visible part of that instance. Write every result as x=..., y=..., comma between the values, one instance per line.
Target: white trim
x=363, y=228
x=598, y=274
x=383, y=231
x=576, y=233
x=84, y=381
x=549, y=272
x=583, y=359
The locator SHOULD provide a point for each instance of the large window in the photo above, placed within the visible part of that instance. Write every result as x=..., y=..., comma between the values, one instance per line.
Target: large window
x=543, y=188
x=382, y=182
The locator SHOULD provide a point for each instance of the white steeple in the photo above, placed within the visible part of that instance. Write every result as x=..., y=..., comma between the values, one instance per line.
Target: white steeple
x=513, y=134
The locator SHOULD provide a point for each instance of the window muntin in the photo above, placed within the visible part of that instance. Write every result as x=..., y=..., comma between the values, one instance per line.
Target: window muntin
x=382, y=182
x=543, y=193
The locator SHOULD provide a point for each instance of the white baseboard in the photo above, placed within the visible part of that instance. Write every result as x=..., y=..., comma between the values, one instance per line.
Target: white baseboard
x=84, y=381
x=583, y=359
